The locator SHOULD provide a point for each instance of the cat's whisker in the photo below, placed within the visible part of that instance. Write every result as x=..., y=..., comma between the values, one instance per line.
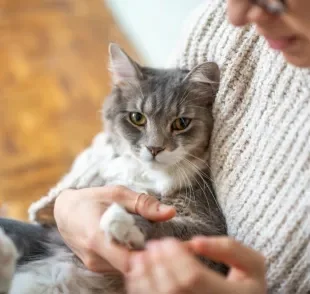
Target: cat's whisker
x=190, y=186
x=202, y=160
x=180, y=183
x=198, y=170
x=200, y=107
x=205, y=163
x=191, y=189
x=202, y=179
x=178, y=175
x=185, y=184
x=201, y=174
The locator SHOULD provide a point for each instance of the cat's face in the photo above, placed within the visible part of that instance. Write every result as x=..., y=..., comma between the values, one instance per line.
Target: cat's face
x=162, y=117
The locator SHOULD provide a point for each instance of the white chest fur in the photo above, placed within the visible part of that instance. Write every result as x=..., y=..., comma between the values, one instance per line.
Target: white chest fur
x=128, y=171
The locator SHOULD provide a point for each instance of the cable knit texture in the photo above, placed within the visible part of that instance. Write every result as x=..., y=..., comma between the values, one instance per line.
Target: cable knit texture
x=260, y=157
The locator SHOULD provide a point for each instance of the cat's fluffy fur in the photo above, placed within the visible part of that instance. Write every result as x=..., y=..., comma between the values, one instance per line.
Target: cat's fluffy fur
x=178, y=176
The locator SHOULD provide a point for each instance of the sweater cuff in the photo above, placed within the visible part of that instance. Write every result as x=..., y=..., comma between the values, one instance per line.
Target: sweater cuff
x=42, y=211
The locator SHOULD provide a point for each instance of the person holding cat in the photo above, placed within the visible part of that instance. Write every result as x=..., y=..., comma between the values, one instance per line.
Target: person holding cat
x=259, y=158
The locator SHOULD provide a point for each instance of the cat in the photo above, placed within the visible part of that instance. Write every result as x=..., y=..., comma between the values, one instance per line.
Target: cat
x=158, y=124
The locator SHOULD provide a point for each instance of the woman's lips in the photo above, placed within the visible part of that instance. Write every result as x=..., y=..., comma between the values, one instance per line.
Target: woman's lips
x=281, y=43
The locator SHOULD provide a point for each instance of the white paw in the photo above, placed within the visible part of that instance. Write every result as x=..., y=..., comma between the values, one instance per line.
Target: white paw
x=8, y=258
x=119, y=225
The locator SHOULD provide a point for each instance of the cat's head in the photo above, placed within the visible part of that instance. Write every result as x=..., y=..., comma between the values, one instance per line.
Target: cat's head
x=162, y=117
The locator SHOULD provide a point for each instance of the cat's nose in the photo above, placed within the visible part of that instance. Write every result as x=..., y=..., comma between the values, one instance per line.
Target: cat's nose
x=155, y=150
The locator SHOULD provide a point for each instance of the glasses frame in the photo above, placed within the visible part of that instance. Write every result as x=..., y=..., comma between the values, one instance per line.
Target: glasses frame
x=271, y=6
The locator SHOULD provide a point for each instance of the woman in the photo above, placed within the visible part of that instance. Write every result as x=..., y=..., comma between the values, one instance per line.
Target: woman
x=260, y=162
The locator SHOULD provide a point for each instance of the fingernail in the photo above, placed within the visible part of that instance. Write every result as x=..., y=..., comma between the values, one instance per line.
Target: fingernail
x=164, y=208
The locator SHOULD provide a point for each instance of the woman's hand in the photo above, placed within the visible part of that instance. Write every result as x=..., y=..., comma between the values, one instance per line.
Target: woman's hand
x=170, y=267
x=78, y=213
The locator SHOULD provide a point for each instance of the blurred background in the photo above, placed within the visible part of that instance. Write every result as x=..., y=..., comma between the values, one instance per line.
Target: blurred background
x=53, y=80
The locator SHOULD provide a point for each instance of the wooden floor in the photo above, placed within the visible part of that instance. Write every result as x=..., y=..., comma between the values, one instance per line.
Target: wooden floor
x=53, y=78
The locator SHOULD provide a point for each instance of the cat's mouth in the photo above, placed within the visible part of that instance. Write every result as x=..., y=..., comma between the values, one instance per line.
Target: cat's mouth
x=154, y=162
x=160, y=164
x=163, y=160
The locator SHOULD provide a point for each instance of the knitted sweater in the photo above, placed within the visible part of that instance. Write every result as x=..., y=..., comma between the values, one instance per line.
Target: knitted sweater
x=260, y=148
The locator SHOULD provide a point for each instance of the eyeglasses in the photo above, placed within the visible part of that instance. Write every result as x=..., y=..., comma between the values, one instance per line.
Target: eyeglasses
x=272, y=6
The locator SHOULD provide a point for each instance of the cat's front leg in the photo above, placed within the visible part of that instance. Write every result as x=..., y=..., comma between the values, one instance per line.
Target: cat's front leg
x=121, y=226
x=8, y=259
x=133, y=230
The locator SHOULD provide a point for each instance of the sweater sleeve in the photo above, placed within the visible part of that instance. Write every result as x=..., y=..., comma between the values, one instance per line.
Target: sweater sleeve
x=85, y=172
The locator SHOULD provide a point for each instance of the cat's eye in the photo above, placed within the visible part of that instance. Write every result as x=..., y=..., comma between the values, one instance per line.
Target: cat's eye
x=180, y=124
x=137, y=118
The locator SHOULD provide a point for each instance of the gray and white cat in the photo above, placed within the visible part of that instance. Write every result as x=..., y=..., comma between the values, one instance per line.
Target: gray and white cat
x=157, y=129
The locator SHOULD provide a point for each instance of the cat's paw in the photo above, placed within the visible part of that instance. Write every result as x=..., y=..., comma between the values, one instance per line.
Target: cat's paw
x=119, y=225
x=8, y=258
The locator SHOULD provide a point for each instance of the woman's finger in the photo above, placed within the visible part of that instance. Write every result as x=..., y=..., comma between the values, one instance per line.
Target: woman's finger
x=163, y=278
x=96, y=263
x=186, y=272
x=139, y=278
x=116, y=255
x=143, y=204
x=190, y=272
x=230, y=252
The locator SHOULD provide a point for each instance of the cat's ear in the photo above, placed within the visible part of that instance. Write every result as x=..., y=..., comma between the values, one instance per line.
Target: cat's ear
x=122, y=67
x=204, y=75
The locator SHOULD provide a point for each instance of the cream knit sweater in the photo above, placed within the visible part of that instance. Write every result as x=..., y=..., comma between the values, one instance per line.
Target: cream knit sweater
x=260, y=157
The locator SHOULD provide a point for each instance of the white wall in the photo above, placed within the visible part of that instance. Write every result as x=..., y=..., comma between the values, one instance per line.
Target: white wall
x=153, y=26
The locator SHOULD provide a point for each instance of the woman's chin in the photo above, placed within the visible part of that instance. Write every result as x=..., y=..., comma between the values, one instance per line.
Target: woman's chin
x=297, y=60
x=298, y=55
